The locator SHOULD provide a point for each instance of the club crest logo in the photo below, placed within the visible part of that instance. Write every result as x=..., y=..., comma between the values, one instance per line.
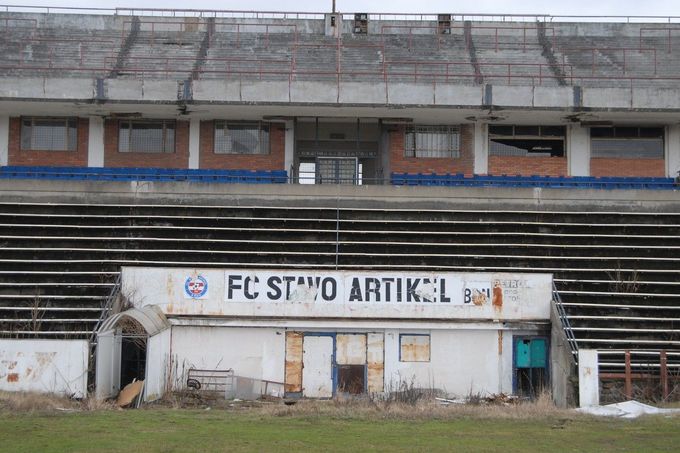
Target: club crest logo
x=196, y=287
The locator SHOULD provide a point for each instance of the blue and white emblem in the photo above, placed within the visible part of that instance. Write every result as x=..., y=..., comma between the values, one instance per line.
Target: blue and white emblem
x=196, y=287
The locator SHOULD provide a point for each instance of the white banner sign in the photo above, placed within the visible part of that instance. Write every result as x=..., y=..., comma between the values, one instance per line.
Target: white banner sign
x=359, y=288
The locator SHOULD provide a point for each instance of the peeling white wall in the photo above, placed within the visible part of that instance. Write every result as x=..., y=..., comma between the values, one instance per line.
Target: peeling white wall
x=194, y=143
x=44, y=366
x=481, y=148
x=157, y=366
x=95, y=142
x=588, y=378
x=673, y=151
x=578, y=150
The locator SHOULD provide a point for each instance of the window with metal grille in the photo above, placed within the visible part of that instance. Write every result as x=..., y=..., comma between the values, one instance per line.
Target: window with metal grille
x=241, y=138
x=539, y=141
x=627, y=142
x=49, y=134
x=146, y=136
x=432, y=141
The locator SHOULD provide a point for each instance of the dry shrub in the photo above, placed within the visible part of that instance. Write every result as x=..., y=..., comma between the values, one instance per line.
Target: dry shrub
x=31, y=402
x=423, y=409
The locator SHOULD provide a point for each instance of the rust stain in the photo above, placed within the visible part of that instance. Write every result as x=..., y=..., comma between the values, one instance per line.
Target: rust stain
x=500, y=342
x=497, y=295
x=11, y=365
x=44, y=358
x=375, y=356
x=415, y=348
x=350, y=349
x=478, y=297
x=13, y=377
x=293, y=371
x=28, y=372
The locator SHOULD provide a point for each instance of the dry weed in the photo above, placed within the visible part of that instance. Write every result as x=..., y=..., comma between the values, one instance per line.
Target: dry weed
x=31, y=402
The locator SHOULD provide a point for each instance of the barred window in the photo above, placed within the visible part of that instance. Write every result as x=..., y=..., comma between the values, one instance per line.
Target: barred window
x=241, y=138
x=146, y=136
x=524, y=141
x=627, y=142
x=432, y=141
x=49, y=134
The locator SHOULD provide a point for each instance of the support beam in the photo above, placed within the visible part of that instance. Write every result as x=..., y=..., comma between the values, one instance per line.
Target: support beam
x=628, y=385
x=194, y=143
x=4, y=140
x=95, y=142
x=663, y=372
x=289, y=147
x=578, y=150
x=481, y=149
x=673, y=150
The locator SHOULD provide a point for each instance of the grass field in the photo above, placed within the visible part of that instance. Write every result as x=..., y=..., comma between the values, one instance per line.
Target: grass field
x=328, y=427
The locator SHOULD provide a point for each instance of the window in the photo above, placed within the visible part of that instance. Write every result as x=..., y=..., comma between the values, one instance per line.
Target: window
x=146, y=136
x=241, y=138
x=544, y=141
x=627, y=142
x=49, y=134
x=432, y=141
x=414, y=348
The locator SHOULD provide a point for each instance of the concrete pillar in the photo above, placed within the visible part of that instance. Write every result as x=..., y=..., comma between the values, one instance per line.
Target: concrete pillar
x=481, y=148
x=588, y=378
x=672, y=150
x=289, y=147
x=4, y=140
x=95, y=142
x=578, y=150
x=194, y=143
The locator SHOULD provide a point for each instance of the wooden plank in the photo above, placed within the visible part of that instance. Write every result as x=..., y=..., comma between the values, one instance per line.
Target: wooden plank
x=293, y=371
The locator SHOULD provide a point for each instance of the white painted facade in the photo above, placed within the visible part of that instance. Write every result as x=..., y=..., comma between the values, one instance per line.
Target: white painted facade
x=469, y=346
x=44, y=366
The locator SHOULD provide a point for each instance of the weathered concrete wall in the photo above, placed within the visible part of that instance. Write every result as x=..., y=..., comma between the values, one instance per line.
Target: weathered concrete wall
x=578, y=150
x=588, y=378
x=4, y=139
x=44, y=366
x=95, y=144
x=562, y=366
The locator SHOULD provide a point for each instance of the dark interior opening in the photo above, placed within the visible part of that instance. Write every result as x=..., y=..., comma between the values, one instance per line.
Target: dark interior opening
x=132, y=360
x=530, y=381
x=351, y=379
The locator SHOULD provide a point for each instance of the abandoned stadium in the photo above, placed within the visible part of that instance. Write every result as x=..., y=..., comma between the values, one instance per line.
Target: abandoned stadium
x=319, y=204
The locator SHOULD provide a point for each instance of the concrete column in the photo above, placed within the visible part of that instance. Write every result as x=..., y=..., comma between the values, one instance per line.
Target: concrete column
x=194, y=143
x=588, y=378
x=481, y=148
x=4, y=140
x=578, y=150
x=672, y=150
x=289, y=147
x=95, y=142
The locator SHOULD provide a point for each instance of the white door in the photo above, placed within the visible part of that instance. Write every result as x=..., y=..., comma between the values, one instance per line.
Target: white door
x=317, y=370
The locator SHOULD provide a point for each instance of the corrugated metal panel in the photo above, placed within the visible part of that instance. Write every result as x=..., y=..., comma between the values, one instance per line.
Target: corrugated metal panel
x=293, y=376
x=375, y=355
x=350, y=349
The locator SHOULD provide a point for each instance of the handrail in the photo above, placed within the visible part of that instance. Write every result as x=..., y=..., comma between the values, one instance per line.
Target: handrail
x=110, y=300
x=566, y=325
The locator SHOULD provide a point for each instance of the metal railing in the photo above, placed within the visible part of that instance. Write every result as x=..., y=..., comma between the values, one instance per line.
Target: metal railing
x=566, y=325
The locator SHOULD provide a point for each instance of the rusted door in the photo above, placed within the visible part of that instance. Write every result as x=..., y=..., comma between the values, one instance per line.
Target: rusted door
x=317, y=369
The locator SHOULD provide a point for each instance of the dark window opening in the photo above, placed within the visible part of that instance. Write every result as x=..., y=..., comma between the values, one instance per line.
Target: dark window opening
x=241, y=138
x=351, y=379
x=542, y=141
x=530, y=381
x=432, y=141
x=530, y=365
x=146, y=137
x=627, y=142
x=49, y=134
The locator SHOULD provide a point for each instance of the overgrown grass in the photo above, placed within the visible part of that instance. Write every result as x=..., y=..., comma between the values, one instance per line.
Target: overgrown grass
x=338, y=425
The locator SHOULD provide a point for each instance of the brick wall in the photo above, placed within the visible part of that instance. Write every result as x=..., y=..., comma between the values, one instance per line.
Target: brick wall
x=272, y=161
x=114, y=158
x=528, y=166
x=77, y=158
x=463, y=164
x=627, y=167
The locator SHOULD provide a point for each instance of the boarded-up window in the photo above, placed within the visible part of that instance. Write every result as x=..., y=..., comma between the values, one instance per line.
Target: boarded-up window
x=48, y=134
x=432, y=141
x=414, y=348
x=241, y=138
x=146, y=136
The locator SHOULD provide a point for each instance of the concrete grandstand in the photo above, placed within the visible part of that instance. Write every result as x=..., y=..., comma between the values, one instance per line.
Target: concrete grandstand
x=433, y=143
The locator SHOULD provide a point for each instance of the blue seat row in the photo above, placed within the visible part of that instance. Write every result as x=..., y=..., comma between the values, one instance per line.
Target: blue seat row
x=552, y=182
x=144, y=174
